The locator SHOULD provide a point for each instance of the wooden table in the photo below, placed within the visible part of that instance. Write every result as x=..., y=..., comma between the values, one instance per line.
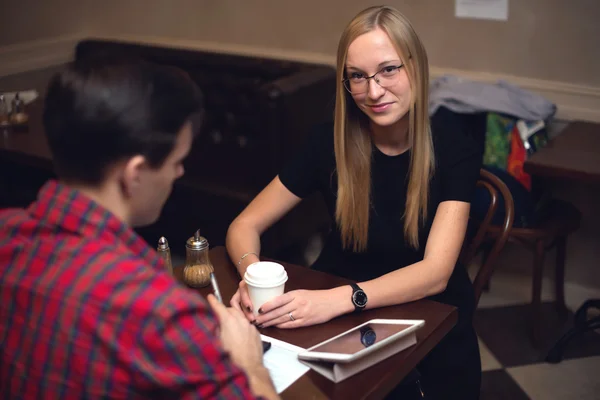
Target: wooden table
x=575, y=155
x=374, y=382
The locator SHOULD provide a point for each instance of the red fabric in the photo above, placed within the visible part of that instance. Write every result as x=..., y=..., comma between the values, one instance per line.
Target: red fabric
x=516, y=159
x=87, y=311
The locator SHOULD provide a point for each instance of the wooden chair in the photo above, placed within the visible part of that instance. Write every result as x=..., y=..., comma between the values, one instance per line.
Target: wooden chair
x=495, y=187
x=560, y=220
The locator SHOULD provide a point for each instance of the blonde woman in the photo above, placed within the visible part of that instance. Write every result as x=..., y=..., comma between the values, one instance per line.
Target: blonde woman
x=397, y=190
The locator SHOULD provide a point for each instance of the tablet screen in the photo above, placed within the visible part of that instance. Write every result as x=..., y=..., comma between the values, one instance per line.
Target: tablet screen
x=361, y=338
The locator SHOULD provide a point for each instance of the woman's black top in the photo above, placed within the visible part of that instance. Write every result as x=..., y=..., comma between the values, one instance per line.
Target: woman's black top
x=457, y=164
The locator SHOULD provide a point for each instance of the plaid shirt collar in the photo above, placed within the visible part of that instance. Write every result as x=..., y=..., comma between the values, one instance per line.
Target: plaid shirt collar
x=68, y=209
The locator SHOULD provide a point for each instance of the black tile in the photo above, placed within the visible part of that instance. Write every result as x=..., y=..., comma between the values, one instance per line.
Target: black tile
x=506, y=332
x=499, y=385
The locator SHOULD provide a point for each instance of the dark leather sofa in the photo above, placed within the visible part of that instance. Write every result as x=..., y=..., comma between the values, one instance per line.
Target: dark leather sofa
x=258, y=111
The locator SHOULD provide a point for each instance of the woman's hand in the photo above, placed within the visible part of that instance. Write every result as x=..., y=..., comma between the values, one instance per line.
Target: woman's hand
x=241, y=301
x=303, y=308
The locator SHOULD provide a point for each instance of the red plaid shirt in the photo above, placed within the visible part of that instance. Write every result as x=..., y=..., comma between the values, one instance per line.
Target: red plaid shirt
x=87, y=311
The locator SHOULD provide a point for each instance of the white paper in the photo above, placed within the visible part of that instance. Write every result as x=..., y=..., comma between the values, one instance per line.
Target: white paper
x=482, y=9
x=282, y=362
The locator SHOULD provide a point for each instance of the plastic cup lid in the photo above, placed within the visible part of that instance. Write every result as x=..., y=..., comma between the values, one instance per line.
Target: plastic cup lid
x=265, y=274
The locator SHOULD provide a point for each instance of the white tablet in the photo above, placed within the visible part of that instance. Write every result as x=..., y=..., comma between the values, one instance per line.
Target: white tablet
x=362, y=340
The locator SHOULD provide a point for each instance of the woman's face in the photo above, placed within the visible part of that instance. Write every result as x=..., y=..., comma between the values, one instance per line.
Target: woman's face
x=388, y=101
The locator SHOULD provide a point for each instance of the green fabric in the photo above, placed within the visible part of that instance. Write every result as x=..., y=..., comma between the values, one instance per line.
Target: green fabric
x=497, y=141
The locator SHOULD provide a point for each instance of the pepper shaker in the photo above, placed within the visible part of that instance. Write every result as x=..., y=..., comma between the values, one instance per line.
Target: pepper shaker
x=164, y=252
x=198, y=267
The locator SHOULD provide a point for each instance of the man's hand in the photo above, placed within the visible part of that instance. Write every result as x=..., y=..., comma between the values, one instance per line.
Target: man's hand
x=239, y=338
x=242, y=341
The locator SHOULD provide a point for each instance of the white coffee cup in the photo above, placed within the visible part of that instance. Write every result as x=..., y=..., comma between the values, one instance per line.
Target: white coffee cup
x=265, y=281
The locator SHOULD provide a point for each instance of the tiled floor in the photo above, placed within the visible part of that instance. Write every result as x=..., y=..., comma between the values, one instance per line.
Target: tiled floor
x=512, y=367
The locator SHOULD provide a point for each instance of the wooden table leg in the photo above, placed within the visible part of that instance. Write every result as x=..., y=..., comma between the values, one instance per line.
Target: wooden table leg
x=559, y=278
x=536, y=293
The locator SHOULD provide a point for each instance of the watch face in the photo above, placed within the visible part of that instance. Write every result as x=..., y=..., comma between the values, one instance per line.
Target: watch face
x=359, y=298
x=368, y=337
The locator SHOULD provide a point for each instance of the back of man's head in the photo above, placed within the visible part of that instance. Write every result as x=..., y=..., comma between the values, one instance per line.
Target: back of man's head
x=102, y=111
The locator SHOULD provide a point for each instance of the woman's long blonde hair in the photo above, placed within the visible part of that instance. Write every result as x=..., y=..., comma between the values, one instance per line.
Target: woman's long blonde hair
x=353, y=143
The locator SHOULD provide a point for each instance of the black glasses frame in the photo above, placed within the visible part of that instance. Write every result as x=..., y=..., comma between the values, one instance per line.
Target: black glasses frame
x=346, y=81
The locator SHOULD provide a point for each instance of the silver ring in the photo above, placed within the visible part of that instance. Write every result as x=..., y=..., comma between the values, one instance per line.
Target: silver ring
x=292, y=317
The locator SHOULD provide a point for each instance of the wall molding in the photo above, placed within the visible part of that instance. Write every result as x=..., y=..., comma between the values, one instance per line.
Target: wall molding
x=36, y=54
x=574, y=102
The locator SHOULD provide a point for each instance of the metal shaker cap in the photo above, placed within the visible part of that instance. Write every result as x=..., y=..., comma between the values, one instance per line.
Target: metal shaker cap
x=197, y=242
x=163, y=244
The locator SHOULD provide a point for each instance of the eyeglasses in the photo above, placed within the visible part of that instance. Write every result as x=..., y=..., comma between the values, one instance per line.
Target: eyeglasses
x=358, y=83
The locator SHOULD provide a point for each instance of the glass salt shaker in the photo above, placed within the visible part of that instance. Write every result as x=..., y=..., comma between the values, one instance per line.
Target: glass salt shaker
x=198, y=267
x=164, y=252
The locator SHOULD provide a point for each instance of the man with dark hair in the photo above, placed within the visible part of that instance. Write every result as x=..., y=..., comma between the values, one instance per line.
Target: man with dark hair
x=87, y=309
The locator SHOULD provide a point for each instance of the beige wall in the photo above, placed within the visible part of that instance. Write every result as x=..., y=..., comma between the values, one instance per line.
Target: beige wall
x=544, y=39
x=553, y=40
x=23, y=21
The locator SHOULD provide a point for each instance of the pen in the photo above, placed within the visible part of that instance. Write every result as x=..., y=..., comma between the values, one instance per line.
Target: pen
x=215, y=287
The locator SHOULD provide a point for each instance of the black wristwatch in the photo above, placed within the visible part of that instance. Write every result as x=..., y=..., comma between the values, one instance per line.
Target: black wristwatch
x=367, y=336
x=359, y=297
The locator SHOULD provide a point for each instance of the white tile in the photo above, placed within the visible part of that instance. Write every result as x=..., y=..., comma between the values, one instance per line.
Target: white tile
x=576, y=295
x=569, y=379
x=488, y=361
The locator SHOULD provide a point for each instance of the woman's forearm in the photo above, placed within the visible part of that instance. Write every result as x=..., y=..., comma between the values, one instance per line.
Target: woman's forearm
x=407, y=284
x=243, y=236
x=242, y=240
